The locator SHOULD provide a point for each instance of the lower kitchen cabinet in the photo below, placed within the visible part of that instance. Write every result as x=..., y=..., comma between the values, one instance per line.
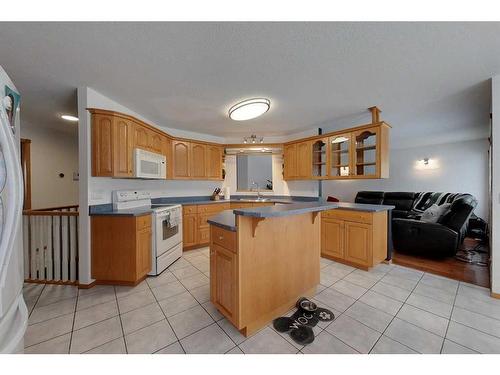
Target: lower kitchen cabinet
x=121, y=248
x=189, y=230
x=357, y=238
x=224, y=268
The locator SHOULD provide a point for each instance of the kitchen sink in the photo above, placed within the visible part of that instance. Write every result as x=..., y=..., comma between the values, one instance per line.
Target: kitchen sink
x=254, y=200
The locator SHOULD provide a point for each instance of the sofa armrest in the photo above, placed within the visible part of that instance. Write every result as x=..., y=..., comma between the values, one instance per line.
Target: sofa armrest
x=420, y=237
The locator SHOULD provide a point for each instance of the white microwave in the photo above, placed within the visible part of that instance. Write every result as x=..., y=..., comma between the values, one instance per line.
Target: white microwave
x=149, y=164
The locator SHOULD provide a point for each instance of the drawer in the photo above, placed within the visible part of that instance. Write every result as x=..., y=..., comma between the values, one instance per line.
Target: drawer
x=203, y=235
x=214, y=207
x=237, y=205
x=224, y=238
x=349, y=215
x=192, y=209
x=143, y=222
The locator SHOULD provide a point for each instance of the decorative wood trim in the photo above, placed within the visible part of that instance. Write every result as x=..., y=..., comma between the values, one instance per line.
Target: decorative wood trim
x=375, y=114
x=55, y=282
x=255, y=223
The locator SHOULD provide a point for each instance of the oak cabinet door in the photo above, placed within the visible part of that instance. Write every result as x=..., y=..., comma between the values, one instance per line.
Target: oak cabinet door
x=166, y=149
x=332, y=238
x=223, y=271
x=122, y=148
x=181, y=159
x=143, y=252
x=290, y=161
x=203, y=235
x=358, y=242
x=155, y=142
x=304, y=160
x=102, y=145
x=214, y=162
x=198, y=161
x=140, y=137
x=189, y=230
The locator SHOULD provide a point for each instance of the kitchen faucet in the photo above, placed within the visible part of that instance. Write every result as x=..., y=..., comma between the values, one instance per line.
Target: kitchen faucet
x=258, y=189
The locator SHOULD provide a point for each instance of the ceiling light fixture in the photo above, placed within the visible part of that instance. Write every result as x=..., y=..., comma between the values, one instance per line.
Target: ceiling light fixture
x=253, y=139
x=69, y=118
x=249, y=109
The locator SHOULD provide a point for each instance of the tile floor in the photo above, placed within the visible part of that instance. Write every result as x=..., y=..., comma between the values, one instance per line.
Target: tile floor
x=390, y=309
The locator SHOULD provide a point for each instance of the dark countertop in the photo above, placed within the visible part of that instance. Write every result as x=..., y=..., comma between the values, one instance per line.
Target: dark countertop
x=107, y=209
x=225, y=220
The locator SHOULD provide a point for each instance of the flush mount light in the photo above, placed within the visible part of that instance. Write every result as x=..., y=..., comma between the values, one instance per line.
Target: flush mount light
x=249, y=109
x=69, y=118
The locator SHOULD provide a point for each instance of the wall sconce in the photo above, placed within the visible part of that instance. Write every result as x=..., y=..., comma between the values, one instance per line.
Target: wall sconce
x=426, y=163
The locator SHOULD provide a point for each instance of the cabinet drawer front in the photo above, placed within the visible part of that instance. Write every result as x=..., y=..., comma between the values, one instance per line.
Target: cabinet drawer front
x=348, y=215
x=224, y=238
x=143, y=222
x=192, y=209
x=215, y=207
x=203, y=236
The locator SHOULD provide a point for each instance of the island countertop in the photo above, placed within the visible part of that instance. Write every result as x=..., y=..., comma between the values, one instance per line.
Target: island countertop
x=227, y=219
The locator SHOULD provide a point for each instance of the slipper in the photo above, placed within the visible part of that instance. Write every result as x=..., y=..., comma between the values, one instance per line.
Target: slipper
x=302, y=335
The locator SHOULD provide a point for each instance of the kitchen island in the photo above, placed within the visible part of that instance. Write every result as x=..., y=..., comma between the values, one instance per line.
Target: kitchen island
x=263, y=259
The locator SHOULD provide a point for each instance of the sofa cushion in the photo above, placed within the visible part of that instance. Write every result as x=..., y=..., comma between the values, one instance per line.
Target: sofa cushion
x=435, y=212
x=369, y=197
x=402, y=200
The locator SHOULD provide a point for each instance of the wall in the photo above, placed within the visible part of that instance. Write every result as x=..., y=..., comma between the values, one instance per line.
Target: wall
x=52, y=152
x=495, y=187
x=463, y=167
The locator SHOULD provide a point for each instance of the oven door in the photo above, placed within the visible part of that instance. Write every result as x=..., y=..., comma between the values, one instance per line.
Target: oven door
x=167, y=236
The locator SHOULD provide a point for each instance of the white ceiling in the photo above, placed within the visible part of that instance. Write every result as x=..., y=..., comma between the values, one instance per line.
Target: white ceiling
x=431, y=80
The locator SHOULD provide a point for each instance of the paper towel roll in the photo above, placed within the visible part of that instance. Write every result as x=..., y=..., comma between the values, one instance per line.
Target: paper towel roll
x=227, y=193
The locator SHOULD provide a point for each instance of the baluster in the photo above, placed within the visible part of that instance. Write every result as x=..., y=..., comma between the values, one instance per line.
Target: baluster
x=64, y=247
x=56, y=244
x=48, y=252
x=72, y=247
x=26, y=246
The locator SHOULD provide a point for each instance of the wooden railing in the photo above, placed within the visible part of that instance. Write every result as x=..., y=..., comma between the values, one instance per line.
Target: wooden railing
x=50, y=242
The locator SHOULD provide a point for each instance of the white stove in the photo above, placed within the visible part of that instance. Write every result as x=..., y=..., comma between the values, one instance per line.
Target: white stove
x=166, y=224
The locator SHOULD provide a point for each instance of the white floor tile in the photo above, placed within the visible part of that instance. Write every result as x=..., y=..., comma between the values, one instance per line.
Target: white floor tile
x=125, y=291
x=174, y=348
x=473, y=339
x=202, y=293
x=477, y=321
x=164, y=278
x=57, y=345
x=54, y=293
x=400, y=282
x=391, y=291
x=150, y=339
x=450, y=347
x=423, y=319
x=168, y=290
x=370, y=316
x=178, y=303
x=349, y=289
x=448, y=285
x=414, y=337
x=96, y=335
x=334, y=299
x=97, y=298
x=185, y=272
x=431, y=305
x=325, y=343
x=214, y=313
x=48, y=329
x=209, y=340
x=135, y=301
x=116, y=346
x=95, y=314
x=40, y=314
x=381, y=302
x=190, y=321
x=484, y=307
x=386, y=345
x=354, y=333
x=231, y=331
x=365, y=280
x=141, y=317
x=195, y=281
x=435, y=293
x=267, y=341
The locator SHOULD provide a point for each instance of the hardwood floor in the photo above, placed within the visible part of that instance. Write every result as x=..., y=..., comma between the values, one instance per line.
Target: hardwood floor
x=448, y=267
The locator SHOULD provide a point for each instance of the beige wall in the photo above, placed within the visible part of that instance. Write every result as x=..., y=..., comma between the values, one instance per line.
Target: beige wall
x=52, y=152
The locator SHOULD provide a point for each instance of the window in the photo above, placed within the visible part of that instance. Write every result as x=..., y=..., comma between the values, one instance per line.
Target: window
x=254, y=171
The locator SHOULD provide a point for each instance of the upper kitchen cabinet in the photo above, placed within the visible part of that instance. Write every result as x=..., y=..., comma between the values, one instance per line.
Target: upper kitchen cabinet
x=155, y=142
x=297, y=161
x=122, y=148
x=102, y=145
x=214, y=162
x=181, y=159
x=290, y=161
x=141, y=137
x=319, y=158
x=198, y=161
x=340, y=146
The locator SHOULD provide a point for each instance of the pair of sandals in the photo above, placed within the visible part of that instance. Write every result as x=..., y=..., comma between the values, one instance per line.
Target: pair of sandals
x=300, y=324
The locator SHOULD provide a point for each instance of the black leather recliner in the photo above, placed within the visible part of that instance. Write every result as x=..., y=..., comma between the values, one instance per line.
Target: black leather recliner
x=410, y=235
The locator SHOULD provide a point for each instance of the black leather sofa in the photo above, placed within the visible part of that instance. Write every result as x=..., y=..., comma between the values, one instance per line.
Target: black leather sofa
x=413, y=236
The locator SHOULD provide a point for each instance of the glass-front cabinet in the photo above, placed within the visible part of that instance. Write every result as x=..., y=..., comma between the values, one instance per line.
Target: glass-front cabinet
x=365, y=155
x=340, y=155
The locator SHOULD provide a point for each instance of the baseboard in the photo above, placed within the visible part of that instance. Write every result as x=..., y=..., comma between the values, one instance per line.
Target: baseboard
x=495, y=295
x=55, y=282
x=86, y=286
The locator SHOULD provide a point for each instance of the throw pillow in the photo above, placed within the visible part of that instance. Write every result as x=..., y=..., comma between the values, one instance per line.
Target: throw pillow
x=434, y=212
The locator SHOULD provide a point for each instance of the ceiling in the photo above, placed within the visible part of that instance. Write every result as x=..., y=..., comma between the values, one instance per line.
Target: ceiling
x=431, y=80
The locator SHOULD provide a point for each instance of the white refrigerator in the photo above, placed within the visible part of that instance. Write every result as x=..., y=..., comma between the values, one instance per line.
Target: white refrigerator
x=13, y=311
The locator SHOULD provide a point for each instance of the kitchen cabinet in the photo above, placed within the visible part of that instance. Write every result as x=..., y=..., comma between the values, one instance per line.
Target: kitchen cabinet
x=196, y=231
x=357, y=238
x=198, y=161
x=319, y=158
x=122, y=148
x=189, y=230
x=304, y=160
x=181, y=159
x=116, y=135
x=223, y=280
x=340, y=147
x=102, y=145
x=214, y=162
x=290, y=161
x=121, y=249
